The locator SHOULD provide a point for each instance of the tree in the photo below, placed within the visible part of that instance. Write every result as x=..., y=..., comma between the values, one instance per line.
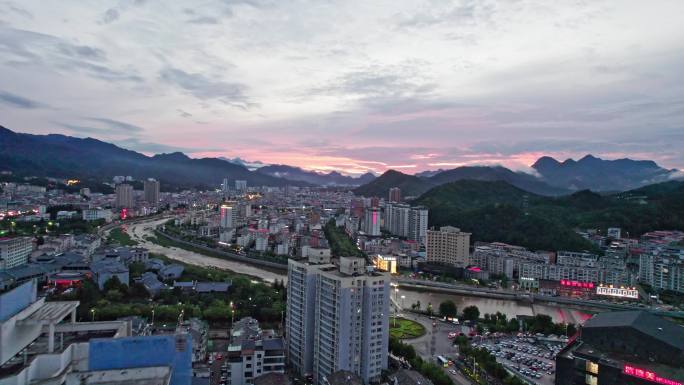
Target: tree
x=447, y=309
x=471, y=313
x=429, y=308
x=112, y=284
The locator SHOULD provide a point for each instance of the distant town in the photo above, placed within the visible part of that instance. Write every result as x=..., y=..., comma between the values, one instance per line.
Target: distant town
x=246, y=284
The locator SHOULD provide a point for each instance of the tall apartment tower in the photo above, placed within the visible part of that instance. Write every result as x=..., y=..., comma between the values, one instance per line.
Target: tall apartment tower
x=124, y=196
x=394, y=194
x=372, y=219
x=241, y=185
x=337, y=319
x=418, y=224
x=224, y=185
x=228, y=215
x=448, y=246
x=151, y=188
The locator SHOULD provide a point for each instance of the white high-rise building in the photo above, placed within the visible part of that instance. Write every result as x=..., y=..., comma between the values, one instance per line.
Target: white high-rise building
x=124, y=196
x=241, y=185
x=448, y=246
x=224, y=185
x=337, y=319
x=228, y=215
x=418, y=224
x=405, y=221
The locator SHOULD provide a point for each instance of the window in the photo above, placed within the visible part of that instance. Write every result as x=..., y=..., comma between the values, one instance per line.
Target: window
x=592, y=367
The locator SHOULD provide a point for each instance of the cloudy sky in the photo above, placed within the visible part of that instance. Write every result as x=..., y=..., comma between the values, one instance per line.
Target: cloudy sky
x=352, y=85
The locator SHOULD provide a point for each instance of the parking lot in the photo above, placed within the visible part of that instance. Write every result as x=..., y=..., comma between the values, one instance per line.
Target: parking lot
x=532, y=358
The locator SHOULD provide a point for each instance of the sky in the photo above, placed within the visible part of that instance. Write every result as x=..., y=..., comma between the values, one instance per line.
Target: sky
x=350, y=85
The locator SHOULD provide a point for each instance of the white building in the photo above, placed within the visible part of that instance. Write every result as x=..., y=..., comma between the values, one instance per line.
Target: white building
x=15, y=251
x=337, y=319
x=228, y=212
x=96, y=214
x=241, y=185
x=252, y=353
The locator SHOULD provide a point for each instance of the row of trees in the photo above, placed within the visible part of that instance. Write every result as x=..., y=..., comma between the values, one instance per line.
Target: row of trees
x=428, y=369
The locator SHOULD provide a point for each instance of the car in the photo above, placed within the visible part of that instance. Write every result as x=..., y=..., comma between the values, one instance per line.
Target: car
x=452, y=371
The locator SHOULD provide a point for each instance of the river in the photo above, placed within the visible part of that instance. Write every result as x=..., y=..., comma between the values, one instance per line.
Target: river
x=139, y=231
x=487, y=305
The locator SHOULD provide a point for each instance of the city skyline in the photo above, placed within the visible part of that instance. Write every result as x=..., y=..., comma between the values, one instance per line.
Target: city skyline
x=350, y=86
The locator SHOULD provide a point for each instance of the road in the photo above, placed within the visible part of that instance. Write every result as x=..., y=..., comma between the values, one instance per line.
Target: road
x=139, y=231
x=436, y=342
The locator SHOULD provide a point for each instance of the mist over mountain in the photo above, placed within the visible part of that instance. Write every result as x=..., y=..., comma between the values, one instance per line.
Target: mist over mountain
x=332, y=178
x=598, y=174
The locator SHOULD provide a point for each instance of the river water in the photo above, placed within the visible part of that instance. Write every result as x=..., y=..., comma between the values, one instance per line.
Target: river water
x=488, y=305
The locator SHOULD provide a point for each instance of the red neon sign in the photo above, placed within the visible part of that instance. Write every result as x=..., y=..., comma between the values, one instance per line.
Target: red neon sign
x=124, y=213
x=647, y=375
x=578, y=284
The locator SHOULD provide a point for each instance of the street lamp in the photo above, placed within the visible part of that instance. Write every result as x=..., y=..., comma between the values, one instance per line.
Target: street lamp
x=92, y=312
x=402, y=301
x=152, y=317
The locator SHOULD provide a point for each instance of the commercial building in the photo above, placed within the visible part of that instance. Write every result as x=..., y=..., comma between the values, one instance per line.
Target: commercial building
x=448, y=246
x=337, y=319
x=394, y=194
x=124, y=196
x=15, y=251
x=151, y=189
x=625, y=348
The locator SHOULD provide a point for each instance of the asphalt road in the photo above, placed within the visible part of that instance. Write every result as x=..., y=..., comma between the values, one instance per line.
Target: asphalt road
x=436, y=342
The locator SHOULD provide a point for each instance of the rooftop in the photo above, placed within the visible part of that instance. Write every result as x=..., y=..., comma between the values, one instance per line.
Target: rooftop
x=657, y=327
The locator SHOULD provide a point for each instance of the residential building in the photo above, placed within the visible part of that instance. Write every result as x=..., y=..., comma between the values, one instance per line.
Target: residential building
x=241, y=185
x=228, y=215
x=151, y=190
x=405, y=221
x=394, y=194
x=448, y=246
x=106, y=269
x=252, y=353
x=124, y=196
x=15, y=251
x=372, y=219
x=337, y=319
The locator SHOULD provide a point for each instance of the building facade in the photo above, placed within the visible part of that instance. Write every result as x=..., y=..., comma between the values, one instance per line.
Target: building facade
x=124, y=196
x=337, y=319
x=448, y=246
x=151, y=189
x=15, y=251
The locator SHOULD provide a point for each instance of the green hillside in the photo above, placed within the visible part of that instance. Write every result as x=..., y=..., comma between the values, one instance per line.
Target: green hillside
x=497, y=211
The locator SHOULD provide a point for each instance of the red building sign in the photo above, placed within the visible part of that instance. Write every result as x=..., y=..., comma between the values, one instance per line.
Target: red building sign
x=648, y=375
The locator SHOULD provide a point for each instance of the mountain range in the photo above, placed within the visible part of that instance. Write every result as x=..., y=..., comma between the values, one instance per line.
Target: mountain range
x=554, y=178
x=70, y=157
x=412, y=185
x=598, y=174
